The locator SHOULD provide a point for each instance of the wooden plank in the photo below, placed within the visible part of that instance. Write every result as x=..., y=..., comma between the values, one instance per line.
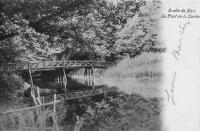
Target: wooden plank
x=32, y=88
x=54, y=104
x=69, y=96
x=55, y=125
x=29, y=108
x=43, y=102
x=65, y=78
x=56, y=128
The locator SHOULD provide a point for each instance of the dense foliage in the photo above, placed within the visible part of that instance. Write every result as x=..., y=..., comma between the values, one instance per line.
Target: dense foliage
x=117, y=112
x=35, y=29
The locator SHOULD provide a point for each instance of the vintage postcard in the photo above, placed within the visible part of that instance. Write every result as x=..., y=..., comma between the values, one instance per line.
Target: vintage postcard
x=99, y=65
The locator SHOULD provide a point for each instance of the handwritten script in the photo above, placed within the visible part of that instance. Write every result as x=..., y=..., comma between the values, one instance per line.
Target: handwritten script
x=170, y=92
x=176, y=53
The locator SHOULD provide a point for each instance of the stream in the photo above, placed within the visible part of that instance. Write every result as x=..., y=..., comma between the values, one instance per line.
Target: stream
x=54, y=83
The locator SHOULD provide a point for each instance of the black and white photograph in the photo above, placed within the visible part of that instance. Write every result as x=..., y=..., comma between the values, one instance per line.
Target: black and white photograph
x=99, y=65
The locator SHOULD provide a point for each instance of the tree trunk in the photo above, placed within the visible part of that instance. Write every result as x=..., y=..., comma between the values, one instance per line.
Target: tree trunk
x=69, y=55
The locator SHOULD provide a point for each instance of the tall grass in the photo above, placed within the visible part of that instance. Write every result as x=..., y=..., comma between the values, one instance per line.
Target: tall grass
x=146, y=64
x=141, y=75
x=38, y=120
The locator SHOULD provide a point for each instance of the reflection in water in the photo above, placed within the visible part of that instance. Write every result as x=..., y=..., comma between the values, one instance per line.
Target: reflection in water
x=128, y=85
x=60, y=81
x=97, y=100
x=57, y=82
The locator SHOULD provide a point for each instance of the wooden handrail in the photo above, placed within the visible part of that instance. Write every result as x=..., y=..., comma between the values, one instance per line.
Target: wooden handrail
x=52, y=64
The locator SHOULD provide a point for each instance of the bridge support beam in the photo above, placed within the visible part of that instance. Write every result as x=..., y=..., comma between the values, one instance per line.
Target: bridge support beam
x=92, y=72
x=65, y=78
x=36, y=99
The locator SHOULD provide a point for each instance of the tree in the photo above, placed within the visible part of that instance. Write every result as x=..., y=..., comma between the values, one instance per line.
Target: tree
x=141, y=33
x=33, y=25
x=37, y=27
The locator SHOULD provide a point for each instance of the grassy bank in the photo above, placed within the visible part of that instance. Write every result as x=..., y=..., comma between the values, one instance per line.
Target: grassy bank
x=141, y=75
x=27, y=120
x=144, y=65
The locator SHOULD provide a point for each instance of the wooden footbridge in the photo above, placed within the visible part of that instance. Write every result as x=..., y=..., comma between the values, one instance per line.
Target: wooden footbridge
x=51, y=65
x=35, y=93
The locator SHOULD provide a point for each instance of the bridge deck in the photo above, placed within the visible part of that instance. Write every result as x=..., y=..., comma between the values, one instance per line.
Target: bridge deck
x=50, y=65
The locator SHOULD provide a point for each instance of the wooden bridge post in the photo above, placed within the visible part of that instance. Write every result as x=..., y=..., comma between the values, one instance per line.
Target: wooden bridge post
x=36, y=99
x=32, y=86
x=54, y=103
x=43, y=103
x=65, y=78
x=92, y=72
x=55, y=125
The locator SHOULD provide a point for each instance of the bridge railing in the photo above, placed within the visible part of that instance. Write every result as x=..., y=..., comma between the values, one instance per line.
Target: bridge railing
x=103, y=64
x=53, y=64
x=13, y=66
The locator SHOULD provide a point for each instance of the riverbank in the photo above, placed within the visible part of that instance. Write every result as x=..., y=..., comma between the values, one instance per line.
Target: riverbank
x=135, y=105
x=145, y=65
x=139, y=81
